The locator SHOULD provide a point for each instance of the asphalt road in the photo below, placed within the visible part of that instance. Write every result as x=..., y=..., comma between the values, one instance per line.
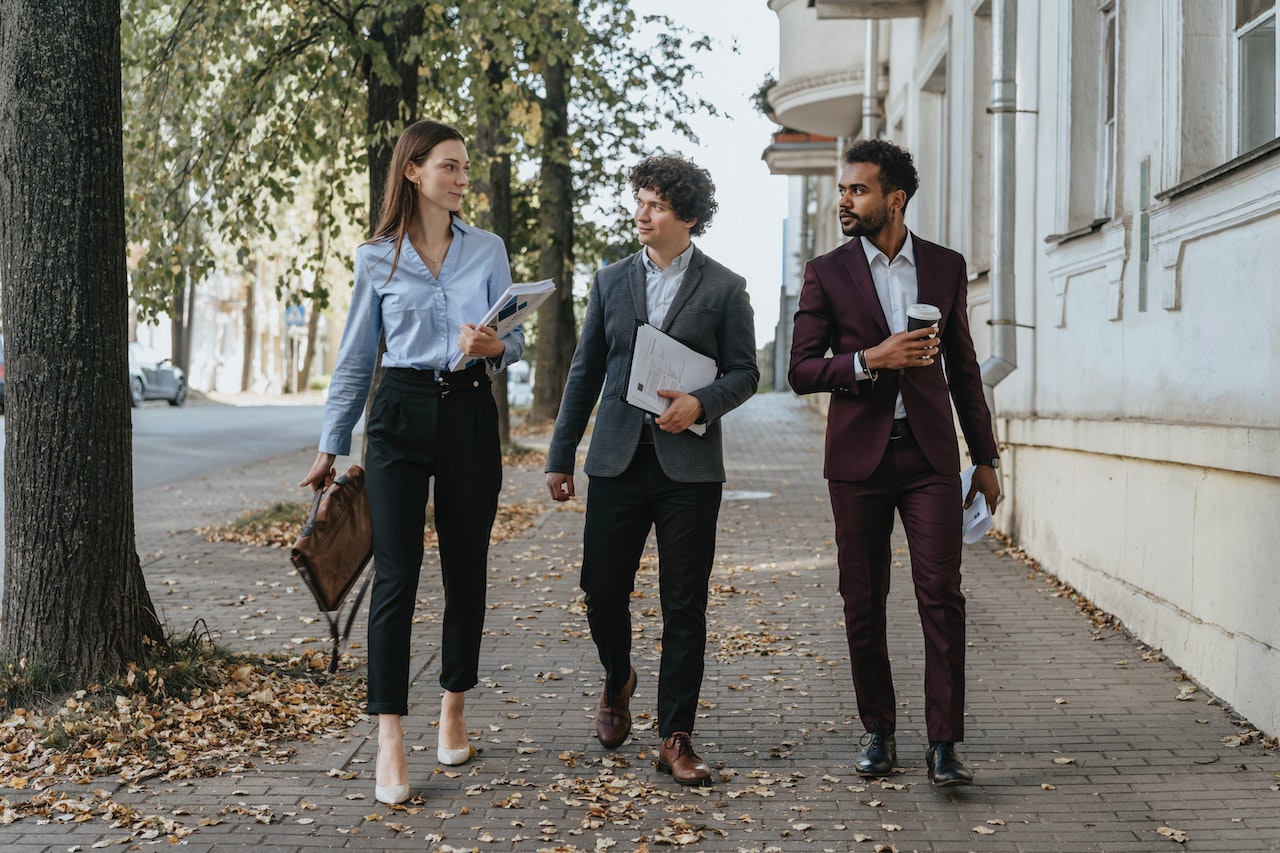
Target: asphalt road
x=172, y=445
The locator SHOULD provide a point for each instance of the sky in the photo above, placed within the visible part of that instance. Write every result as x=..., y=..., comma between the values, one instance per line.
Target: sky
x=746, y=234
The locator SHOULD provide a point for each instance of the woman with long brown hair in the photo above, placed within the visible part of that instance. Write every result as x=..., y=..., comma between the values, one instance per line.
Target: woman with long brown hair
x=418, y=282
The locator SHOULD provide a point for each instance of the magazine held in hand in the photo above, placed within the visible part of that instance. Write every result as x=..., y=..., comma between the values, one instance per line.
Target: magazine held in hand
x=511, y=309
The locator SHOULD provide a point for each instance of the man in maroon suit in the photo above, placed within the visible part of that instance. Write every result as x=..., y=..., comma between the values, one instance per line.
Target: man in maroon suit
x=891, y=442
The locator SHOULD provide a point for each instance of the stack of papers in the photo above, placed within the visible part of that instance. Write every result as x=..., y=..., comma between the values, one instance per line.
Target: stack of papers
x=661, y=363
x=511, y=309
x=977, y=518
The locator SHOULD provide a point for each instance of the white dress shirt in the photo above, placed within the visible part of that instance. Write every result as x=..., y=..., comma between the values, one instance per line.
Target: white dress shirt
x=897, y=288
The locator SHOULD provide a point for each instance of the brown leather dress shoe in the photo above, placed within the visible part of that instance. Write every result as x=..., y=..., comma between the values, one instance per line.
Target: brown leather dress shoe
x=613, y=717
x=678, y=758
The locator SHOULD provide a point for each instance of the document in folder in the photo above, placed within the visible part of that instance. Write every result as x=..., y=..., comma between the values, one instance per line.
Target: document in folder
x=512, y=308
x=661, y=363
x=977, y=518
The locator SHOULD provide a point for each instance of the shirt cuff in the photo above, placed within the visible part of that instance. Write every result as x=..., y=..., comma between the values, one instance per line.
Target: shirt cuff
x=858, y=373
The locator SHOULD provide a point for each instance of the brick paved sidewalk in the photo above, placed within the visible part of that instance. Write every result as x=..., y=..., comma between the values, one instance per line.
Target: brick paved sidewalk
x=1079, y=743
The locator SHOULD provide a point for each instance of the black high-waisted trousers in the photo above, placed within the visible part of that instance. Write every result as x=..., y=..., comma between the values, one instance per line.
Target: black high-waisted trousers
x=424, y=426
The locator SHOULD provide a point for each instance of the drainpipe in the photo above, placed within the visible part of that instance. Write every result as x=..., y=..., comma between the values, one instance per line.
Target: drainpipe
x=1004, y=109
x=870, y=82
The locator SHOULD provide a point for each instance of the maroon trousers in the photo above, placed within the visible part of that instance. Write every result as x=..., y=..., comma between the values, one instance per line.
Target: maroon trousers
x=929, y=504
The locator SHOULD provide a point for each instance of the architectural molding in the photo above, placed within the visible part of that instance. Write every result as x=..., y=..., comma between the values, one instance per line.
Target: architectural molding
x=1108, y=251
x=869, y=8
x=1243, y=450
x=932, y=55
x=1235, y=197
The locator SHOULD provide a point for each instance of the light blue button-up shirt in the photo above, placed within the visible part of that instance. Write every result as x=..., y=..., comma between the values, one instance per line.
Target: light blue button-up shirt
x=661, y=285
x=421, y=316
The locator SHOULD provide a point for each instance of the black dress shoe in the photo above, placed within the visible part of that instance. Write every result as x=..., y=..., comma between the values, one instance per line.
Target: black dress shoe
x=945, y=767
x=879, y=756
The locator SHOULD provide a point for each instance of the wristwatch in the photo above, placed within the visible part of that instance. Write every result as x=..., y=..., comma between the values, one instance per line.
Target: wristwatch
x=994, y=462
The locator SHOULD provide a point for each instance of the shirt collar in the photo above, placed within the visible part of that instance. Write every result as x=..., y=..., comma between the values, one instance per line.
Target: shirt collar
x=907, y=252
x=679, y=264
x=460, y=226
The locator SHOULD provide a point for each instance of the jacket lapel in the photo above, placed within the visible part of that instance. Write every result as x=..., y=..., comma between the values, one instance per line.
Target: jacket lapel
x=692, y=276
x=855, y=261
x=635, y=278
x=927, y=285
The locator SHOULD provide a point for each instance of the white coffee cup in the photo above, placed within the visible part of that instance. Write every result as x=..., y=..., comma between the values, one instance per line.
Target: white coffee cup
x=921, y=315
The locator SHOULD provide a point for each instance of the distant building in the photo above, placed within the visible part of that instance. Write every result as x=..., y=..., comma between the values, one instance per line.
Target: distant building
x=1140, y=425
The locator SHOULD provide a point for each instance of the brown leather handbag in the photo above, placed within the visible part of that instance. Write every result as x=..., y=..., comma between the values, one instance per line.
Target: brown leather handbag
x=333, y=549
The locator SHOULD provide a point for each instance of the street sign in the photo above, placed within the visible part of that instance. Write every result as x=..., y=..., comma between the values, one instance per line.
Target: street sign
x=294, y=315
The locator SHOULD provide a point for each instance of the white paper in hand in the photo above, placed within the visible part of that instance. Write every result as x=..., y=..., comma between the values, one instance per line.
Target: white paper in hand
x=977, y=518
x=512, y=308
x=660, y=362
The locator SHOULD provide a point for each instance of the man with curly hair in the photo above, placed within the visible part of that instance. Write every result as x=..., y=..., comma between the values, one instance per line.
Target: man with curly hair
x=891, y=443
x=654, y=472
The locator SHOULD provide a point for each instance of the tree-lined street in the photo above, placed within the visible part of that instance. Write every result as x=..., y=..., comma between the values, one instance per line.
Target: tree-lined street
x=1082, y=739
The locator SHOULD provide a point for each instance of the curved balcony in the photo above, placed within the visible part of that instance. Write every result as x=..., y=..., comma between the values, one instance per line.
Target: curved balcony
x=820, y=71
x=795, y=153
x=869, y=8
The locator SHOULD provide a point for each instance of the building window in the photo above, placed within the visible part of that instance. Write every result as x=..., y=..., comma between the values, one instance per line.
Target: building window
x=979, y=185
x=1107, y=83
x=1255, y=39
x=1082, y=174
x=933, y=159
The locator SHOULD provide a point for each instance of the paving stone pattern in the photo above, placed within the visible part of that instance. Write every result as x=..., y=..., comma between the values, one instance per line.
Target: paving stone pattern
x=1078, y=743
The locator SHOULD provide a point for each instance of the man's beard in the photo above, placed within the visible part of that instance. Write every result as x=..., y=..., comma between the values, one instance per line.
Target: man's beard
x=866, y=226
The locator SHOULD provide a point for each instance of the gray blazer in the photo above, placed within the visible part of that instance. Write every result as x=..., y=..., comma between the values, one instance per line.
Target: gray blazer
x=711, y=313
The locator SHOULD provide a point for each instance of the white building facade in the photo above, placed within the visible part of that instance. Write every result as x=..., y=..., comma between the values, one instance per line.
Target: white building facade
x=1140, y=430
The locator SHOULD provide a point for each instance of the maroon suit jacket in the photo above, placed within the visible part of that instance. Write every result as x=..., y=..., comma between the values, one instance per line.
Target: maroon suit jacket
x=839, y=311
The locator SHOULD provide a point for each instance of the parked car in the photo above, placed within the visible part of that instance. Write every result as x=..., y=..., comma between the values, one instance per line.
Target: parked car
x=154, y=378
x=1, y=374
x=519, y=389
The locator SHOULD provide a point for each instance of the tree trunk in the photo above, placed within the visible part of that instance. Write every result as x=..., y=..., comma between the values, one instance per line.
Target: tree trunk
x=75, y=599
x=393, y=104
x=557, y=327
x=313, y=332
x=182, y=321
x=393, y=101
x=313, y=315
x=492, y=137
x=250, y=326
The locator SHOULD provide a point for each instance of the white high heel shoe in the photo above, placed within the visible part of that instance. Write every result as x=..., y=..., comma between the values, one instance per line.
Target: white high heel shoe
x=389, y=794
x=454, y=757
x=446, y=756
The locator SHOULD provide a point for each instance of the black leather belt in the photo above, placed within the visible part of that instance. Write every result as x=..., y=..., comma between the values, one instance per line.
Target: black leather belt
x=646, y=434
x=441, y=382
x=900, y=429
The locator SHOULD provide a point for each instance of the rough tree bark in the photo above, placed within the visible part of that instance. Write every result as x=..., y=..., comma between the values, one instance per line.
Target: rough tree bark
x=392, y=105
x=75, y=599
x=392, y=101
x=492, y=135
x=181, y=325
x=250, y=325
x=557, y=328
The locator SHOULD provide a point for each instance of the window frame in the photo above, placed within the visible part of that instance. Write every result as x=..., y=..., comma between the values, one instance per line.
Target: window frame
x=1105, y=193
x=1237, y=35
